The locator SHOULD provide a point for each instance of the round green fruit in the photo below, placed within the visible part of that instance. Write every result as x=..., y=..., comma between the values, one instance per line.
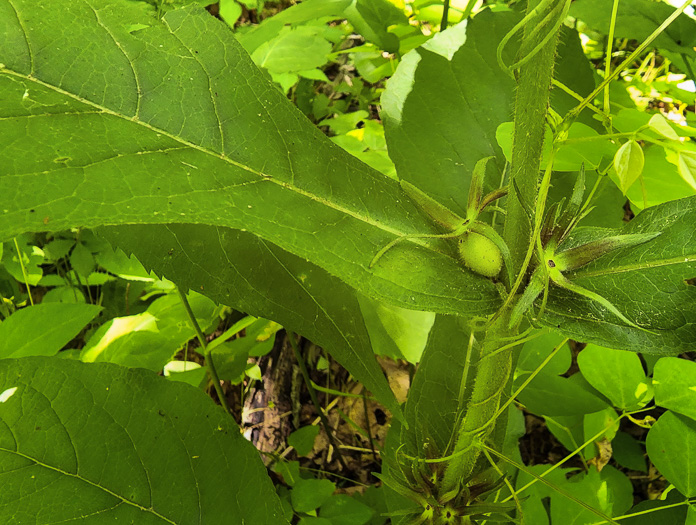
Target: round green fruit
x=480, y=254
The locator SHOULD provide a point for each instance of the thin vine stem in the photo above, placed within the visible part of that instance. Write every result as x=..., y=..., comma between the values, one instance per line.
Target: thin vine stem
x=560, y=85
x=577, y=450
x=24, y=271
x=546, y=482
x=573, y=113
x=530, y=378
x=495, y=467
x=313, y=395
x=610, y=43
x=207, y=354
x=650, y=511
x=445, y=15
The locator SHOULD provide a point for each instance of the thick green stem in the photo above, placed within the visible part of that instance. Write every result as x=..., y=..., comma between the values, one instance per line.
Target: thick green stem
x=534, y=78
x=492, y=375
x=533, y=88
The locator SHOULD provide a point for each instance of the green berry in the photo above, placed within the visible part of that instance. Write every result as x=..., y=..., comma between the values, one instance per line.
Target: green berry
x=480, y=254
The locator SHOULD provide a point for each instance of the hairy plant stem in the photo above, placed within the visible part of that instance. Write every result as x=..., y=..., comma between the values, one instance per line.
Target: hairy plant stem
x=533, y=88
x=534, y=78
x=492, y=375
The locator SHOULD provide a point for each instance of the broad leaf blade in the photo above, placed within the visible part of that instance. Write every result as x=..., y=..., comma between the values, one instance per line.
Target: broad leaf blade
x=97, y=443
x=174, y=123
x=671, y=445
x=240, y=270
x=628, y=163
x=674, y=380
x=43, y=329
x=636, y=20
x=651, y=284
x=443, y=105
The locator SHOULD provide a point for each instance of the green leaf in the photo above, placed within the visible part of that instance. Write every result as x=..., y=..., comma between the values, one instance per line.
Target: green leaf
x=651, y=512
x=230, y=11
x=609, y=491
x=686, y=162
x=43, y=329
x=662, y=179
x=606, y=420
x=345, y=510
x=628, y=163
x=671, y=445
x=440, y=388
x=293, y=50
x=628, y=453
x=661, y=126
x=303, y=438
x=636, y=20
x=569, y=430
x=99, y=443
x=649, y=284
x=293, y=15
x=617, y=374
x=31, y=258
x=81, y=260
x=149, y=340
x=185, y=371
x=240, y=270
x=435, y=100
x=551, y=395
x=532, y=499
x=536, y=350
x=396, y=332
x=674, y=380
x=372, y=18
x=163, y=125
x=309, y=494
x=314, y=521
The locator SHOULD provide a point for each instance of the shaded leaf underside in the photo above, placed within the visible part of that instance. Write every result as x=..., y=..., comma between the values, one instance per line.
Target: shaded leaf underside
x=239, y=269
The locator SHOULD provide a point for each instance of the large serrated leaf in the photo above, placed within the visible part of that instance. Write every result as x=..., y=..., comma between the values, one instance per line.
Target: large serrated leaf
x=98, y=443
x=651, y=284
x=111, y=116
x=240, y=270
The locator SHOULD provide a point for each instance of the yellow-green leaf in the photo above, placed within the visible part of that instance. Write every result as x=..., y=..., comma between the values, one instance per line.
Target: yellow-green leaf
x=628, y=163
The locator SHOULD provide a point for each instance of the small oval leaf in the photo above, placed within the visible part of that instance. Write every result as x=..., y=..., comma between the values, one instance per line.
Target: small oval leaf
x=628, y=163
x=686, y=162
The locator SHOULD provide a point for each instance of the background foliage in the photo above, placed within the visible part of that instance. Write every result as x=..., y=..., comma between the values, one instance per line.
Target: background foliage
x=149, y=143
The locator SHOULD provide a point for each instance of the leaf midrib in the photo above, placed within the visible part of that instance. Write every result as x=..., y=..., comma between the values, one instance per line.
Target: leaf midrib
x=682, y=259
x=89, y=482
x=291, y=187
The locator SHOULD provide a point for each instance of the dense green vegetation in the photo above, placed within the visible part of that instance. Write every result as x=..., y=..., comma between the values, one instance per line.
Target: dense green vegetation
x=502, y=195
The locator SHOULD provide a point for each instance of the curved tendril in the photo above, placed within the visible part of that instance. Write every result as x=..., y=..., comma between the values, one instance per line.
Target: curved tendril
x=520, y=25
x=549, y=34
x=456, y=233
